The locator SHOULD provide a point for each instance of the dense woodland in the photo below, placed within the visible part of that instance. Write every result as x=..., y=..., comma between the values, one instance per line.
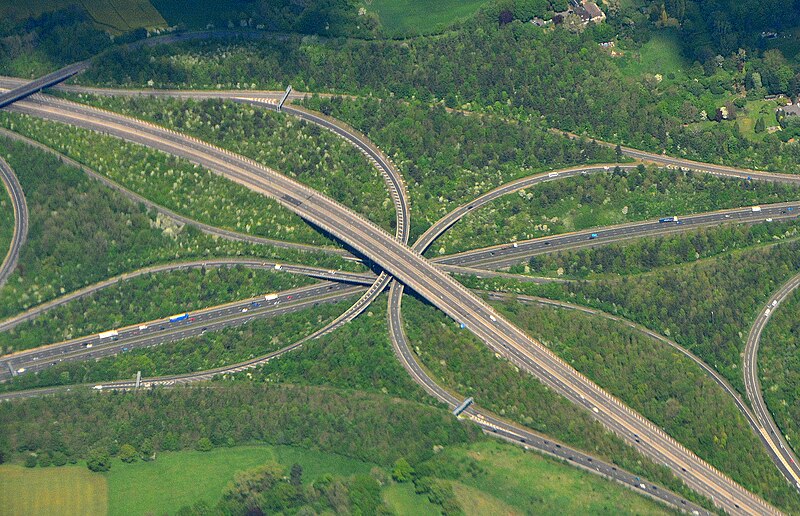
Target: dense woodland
x=371, y=427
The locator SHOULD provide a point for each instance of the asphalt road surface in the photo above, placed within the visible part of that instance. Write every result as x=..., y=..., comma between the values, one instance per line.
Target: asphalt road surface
x=20, y=208
x=779, y=446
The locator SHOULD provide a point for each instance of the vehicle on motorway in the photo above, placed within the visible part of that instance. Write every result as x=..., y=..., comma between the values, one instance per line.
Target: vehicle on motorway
x=462, y=325
x=255, y=304
x=278, y=266
x=756, y=208
x=592, y=236
x=515, y=245
x=20, y=370
x=87, y=345
x=493, y=318
x=552, y=174
x=108, y=334
x=179, y=317
x=769, y=219
x=244, y=310
x=98, y=387
x=143, y=327
x=270, y=297
x=669, y=219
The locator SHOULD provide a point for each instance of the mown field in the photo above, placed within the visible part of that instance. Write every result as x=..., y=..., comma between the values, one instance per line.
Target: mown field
x=65, y=491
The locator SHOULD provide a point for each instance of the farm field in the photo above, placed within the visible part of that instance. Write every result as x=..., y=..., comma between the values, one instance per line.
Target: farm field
x=65, y=491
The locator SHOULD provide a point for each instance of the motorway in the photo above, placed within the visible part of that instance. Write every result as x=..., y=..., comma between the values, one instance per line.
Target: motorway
x=20, y=208
x=506, y=255
x=250, y=263
x=419, y=274
x=159, y=331
x=753, y=384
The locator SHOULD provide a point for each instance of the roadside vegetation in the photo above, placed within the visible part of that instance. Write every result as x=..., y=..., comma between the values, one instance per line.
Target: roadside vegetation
x=169, y=181
x=647, y=254
x=779, y=367
x=145, y=298
x=82, y=232
x=301, y=150
x=449, y=158
x=598, y=200
x=458, y=360
x=207, y=351
x=664, y=386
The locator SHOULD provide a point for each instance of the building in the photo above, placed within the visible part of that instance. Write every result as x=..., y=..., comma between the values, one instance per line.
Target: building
x=586, y=10
x=789, y=110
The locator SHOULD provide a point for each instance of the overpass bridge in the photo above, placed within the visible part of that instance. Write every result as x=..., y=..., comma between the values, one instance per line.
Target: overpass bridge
x=41, y=83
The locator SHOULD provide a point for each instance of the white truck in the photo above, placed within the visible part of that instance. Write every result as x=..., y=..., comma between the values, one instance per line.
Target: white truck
x=108, y=334
x=756, y=208
x=270, y=297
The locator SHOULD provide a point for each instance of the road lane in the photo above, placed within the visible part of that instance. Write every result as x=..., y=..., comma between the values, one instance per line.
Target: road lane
x=20, y=207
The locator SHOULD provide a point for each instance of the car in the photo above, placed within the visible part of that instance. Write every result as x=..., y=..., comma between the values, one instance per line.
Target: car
x=768, y=219
x=727, y=215
x=89, y=345
x=515, y=245
x=21, y=370
x=124, y=349
x=547, y=243
x=244, y=310
x=592, y=236
x=143, y=327
x=191, y=319
x=288, y=297
x=203, y=330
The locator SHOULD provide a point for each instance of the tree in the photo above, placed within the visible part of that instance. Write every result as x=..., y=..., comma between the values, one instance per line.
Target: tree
x=59, y=458
x=146, y=450
x=204, y=444
x=402, y=470
x=30, y=461
x=618, y=151
x=127, y=453
x=296, y=475
x=760, y=125
x=98, y=461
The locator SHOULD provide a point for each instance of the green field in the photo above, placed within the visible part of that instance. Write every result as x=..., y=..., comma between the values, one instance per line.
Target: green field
x=58, y=491
x=116, y=16
x=403, y=17
x=660, y=55
x=510, y=481
x=184, y=478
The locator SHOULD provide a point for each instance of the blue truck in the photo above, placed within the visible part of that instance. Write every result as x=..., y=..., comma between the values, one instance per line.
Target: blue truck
x=179, y=317
x=669, y=219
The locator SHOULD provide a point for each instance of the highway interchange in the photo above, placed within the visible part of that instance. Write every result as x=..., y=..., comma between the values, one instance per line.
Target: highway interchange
x=410, y=268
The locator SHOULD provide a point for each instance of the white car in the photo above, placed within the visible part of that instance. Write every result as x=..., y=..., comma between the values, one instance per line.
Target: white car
x=244, y=310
